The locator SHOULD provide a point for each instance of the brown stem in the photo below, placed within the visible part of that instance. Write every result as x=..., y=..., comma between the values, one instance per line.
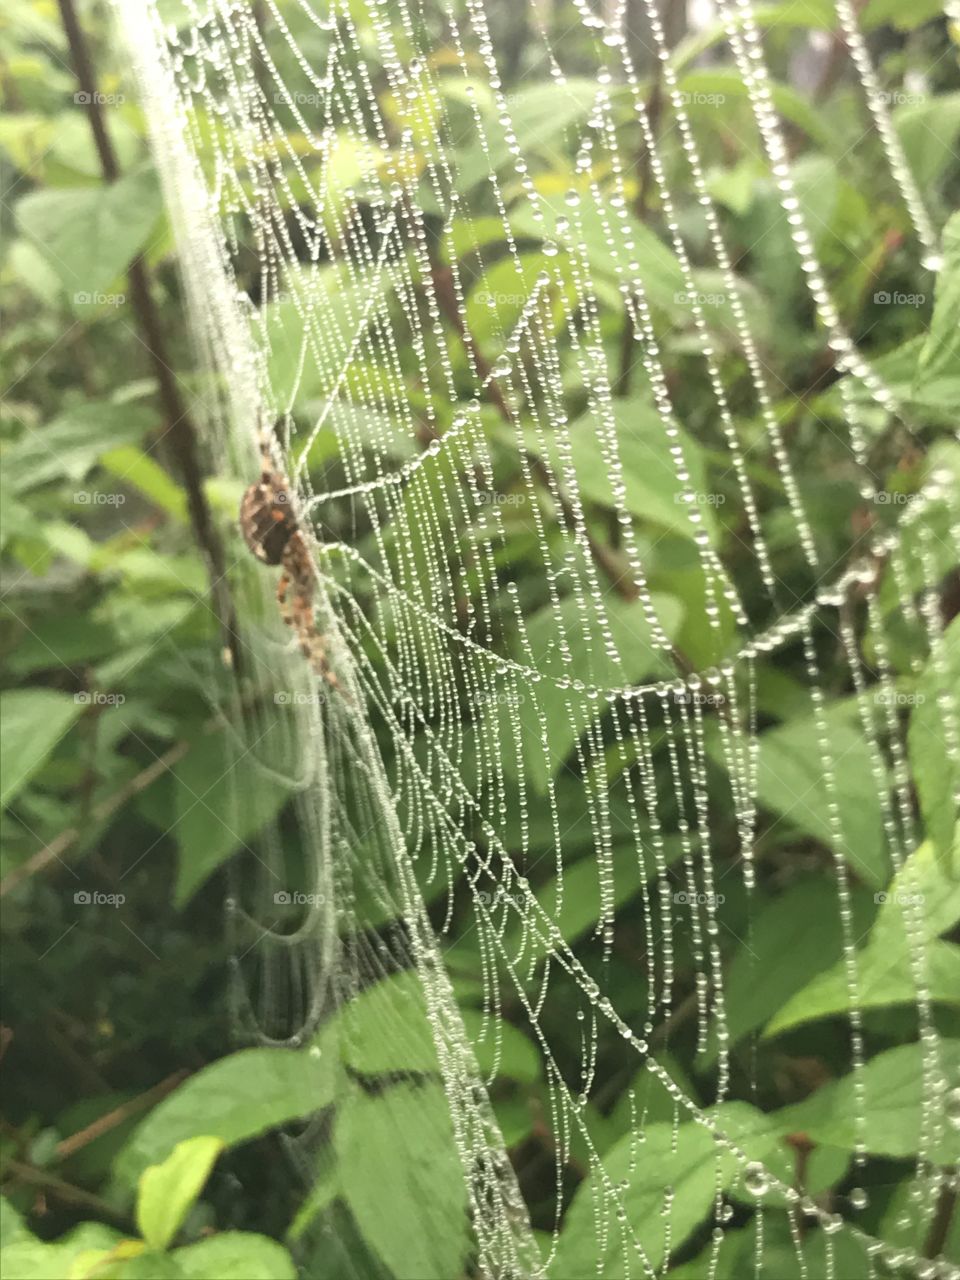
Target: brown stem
x=182, y=435
x=64, y=1190
x=118, y=1115
x=58, y=846
x=940, y=1227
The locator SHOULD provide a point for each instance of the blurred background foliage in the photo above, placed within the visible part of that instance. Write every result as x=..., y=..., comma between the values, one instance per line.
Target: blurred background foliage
x=111, y=773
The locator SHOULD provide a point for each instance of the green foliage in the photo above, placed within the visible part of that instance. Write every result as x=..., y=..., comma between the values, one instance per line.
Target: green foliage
x=118, y=780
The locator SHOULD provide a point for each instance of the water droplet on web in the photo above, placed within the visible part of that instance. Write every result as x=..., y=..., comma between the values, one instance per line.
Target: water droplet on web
x=755, y=1179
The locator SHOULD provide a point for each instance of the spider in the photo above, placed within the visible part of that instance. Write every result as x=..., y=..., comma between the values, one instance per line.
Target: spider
x=269, y=525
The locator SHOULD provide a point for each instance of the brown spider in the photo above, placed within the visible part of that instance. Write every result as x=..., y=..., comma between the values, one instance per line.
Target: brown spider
x=269, y=525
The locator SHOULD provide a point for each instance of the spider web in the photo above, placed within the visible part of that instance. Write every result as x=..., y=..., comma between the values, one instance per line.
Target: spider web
x=544, y=768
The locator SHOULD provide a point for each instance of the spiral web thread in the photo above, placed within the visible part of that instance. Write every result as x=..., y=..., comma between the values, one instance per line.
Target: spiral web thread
x=422, y=306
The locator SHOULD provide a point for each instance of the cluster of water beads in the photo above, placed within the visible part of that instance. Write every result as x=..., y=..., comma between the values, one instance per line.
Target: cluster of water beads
x=428, y=504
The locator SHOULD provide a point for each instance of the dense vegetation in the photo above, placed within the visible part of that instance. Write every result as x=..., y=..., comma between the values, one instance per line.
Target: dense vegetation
x=114, y=854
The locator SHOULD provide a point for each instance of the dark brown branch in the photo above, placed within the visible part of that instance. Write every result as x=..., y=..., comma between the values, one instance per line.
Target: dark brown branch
x=183, y=437
x=103, y=1124
x=64, y=1190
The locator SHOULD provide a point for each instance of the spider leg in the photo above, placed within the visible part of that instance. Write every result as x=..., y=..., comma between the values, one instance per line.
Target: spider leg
x=286, y=607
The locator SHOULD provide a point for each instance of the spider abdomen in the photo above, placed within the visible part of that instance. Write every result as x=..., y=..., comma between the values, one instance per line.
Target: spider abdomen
x=266, y=521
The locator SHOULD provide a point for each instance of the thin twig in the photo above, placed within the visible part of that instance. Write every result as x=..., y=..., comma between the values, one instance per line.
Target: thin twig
x=57, y=847
x=64, y=1190
x=103, y=1124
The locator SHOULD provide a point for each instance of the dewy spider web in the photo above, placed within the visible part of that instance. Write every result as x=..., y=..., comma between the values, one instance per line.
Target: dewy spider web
x=378, y=277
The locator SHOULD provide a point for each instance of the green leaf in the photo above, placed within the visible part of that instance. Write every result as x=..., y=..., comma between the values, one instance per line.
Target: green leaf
x=894, y=1090
x=90, y=235
x=935, y=766
x=903, y=17
x=138, y=470
x=817, y=15
x=791, y=782
x=567, y=712
x=70, y=445
x=792, y=938
x=884, y=973
x=402, y=1139
x=167, y=1191
x=385, y=1028
x=654, y=492
x=12, y=1226
x=219, y=805
x=235, y=1099
x=937, y=377
x=235, y=1254
x=687, y=1160
x=928, y=128
x=710, y=90
x=34, y=721
x=31, y=1259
